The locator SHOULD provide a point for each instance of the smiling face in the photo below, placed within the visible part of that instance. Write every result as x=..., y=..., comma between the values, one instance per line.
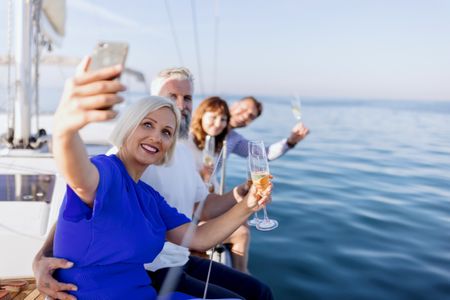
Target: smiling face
x=243, y=113
x=213, y=123
x=149, y=141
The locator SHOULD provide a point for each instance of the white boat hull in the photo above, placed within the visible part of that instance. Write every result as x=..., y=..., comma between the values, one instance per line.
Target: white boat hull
x=24, y=225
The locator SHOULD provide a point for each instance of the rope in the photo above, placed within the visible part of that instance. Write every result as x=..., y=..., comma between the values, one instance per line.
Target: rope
x=209, y=272
x=174, y=273
x=197, y=48
x=223, y=170
x=174, y=35
x=10, y=99
x=216, y=45
x=223, y=157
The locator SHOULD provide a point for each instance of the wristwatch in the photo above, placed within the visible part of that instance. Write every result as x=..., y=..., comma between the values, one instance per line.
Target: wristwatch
x=290, y=145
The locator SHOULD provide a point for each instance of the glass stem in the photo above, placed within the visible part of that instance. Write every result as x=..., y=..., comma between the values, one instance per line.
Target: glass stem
x=255, y=215
x=266, y=218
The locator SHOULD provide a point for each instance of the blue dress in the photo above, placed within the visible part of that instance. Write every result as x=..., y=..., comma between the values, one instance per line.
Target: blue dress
x=110, y=242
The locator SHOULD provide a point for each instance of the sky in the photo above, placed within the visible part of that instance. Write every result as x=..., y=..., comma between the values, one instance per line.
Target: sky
x=359, y=49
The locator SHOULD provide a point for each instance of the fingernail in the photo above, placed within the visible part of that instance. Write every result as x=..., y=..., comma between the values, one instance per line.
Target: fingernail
x=119, y=67
x=69, y=264
x=74, y=288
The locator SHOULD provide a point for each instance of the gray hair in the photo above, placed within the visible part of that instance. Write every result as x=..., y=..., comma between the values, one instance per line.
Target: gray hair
x=135, y=113
x=165, y=75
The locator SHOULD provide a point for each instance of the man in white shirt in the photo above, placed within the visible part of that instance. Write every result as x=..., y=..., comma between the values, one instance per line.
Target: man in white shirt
x=177, y=84
x=181, y=186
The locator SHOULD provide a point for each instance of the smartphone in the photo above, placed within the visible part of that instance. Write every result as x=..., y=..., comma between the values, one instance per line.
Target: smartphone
x=107, y=54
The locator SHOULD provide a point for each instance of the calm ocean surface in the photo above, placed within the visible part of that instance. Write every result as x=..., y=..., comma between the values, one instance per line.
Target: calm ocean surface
x=363, y=203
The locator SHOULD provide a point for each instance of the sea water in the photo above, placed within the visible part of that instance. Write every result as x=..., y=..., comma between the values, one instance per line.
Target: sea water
x=363, y=203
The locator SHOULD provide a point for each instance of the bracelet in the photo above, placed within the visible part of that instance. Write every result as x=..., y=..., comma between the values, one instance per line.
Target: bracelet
x=210, y=187
x=290, y=145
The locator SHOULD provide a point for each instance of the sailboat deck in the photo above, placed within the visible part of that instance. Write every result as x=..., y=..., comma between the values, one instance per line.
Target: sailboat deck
x=19, y=289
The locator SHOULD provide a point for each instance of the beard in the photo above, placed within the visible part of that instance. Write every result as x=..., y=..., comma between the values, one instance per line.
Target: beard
x=184, y=124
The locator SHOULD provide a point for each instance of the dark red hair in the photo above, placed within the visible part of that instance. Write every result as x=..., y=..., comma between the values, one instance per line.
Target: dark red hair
x=211, y=104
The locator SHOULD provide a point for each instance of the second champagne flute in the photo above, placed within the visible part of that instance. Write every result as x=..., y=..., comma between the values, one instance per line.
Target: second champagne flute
x=209, y=151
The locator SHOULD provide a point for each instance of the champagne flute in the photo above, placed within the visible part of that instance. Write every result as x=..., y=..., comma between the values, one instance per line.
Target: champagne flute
x=208, y=154
x=255, y=220
x=259, y=170
x=209, y=151
x=296, y=106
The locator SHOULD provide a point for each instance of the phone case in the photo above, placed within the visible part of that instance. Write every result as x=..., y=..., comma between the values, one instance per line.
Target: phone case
x=108, y=54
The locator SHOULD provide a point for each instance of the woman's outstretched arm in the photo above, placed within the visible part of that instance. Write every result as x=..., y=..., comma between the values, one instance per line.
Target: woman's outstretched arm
x=218, y=229
x=87, y=98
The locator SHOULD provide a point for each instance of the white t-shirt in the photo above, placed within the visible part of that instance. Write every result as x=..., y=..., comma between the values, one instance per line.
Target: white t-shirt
x=181, y=186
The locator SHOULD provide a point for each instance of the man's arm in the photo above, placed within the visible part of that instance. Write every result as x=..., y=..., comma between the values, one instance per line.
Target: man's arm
x=216, y=205
x=216, y=230
x=43, y=267
x=275, y=150
x=47, y=247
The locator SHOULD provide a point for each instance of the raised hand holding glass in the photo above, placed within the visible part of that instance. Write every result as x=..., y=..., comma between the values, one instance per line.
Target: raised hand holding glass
x=296, y=106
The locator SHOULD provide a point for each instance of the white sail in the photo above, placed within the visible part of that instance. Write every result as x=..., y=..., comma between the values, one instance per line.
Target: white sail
x=53, y=20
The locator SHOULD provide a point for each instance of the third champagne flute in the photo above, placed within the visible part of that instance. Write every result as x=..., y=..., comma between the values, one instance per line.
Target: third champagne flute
x=296, y=106
x=259, y=170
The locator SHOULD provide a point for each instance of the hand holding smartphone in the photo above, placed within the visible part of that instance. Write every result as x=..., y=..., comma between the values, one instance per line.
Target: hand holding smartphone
x=108, y=54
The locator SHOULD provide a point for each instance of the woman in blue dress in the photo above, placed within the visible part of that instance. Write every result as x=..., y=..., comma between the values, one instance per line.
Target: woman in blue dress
x=110, y=222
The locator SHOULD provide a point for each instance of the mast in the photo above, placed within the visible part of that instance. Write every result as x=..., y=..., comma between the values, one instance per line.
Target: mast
x=22, y=102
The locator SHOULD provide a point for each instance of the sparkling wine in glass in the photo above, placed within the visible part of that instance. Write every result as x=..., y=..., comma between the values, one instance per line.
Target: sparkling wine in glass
x=255, y=220
x=260, y=174
x=296, y=106
x=209, y=151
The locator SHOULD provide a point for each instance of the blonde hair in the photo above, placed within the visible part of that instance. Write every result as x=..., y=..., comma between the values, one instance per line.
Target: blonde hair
x=135, y=113
x=169, y=74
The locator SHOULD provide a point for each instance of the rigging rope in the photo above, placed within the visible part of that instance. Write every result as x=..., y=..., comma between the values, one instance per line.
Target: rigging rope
x=209, y=272
x=197, y=47
x=174, y=273
x=223, y=158
x=10, y=99
x=174, y=35
x=216, y=46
